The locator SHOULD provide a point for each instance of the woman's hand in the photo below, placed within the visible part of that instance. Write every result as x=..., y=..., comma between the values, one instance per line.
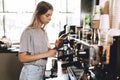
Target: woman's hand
x=58, y=43
x=52, y=53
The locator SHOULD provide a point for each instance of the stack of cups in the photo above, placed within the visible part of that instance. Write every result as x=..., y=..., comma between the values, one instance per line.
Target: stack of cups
x=104, y=22
x=104, y=27
x=116, y=15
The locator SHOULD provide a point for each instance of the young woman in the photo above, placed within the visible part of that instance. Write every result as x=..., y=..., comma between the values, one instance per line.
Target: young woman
x=34, y=44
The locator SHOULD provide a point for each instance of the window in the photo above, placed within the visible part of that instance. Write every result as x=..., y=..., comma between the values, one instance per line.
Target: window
x=15, y=15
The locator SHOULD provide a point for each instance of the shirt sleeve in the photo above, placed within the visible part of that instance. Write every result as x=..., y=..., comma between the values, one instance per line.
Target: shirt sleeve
x=25, y=42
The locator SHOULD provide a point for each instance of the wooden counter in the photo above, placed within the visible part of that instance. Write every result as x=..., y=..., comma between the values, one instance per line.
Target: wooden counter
x=10, y=66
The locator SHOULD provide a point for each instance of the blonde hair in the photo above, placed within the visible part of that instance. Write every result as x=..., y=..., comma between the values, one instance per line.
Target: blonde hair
x=42, y=8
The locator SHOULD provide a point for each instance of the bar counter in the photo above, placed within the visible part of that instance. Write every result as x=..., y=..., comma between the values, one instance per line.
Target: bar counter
x=10, y=66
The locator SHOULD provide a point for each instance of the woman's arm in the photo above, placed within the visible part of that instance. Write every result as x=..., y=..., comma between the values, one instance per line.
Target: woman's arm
x=24, y=57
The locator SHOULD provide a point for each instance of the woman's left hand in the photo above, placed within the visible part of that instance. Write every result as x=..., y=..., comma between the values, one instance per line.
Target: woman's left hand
x=58, y=43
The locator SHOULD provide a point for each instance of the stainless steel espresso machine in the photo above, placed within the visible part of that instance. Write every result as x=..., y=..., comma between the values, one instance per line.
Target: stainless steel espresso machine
x=85, y=61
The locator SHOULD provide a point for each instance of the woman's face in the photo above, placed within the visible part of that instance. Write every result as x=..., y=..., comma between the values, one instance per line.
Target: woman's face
x=45, y=18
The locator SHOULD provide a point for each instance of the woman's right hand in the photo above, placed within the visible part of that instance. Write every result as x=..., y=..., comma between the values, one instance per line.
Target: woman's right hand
x=52, y=52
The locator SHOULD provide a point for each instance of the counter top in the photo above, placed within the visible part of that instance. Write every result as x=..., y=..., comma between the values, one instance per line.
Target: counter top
x=8, y=51
x=13, y=49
